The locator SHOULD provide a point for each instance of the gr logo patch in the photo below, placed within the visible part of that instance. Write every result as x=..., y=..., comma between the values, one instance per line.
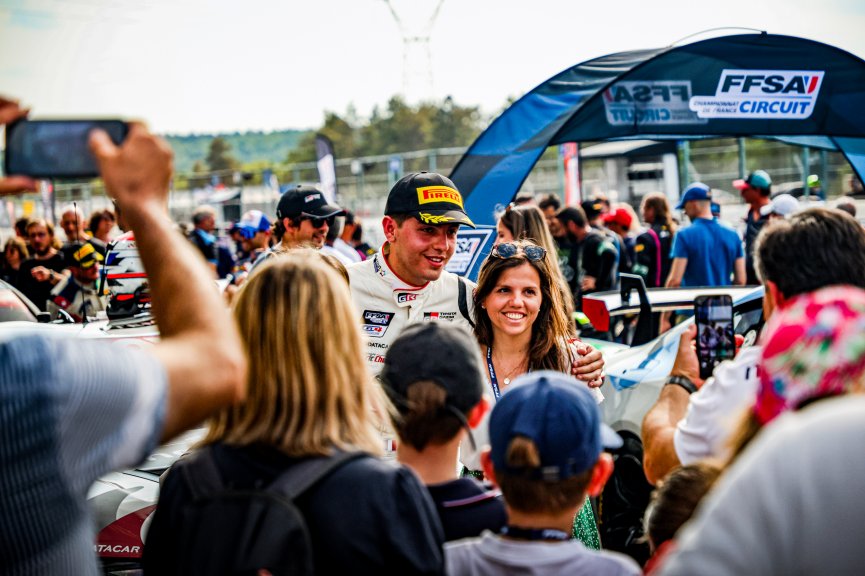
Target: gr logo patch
x=404, y=297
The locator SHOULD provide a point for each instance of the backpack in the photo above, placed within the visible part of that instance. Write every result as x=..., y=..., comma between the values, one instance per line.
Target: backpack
x=224, y=531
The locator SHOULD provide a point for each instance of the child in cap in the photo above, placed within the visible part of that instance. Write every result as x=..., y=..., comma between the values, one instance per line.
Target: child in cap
x=546, y=455
x=432, y=374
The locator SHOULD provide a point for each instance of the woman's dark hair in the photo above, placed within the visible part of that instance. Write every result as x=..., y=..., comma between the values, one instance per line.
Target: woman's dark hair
x=550, y=329
x=97, y=217
x=423, y=418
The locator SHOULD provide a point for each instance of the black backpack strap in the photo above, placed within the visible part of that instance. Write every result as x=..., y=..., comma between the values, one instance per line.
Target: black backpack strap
x=302, y=476
x=201, y=473
x=463, y=300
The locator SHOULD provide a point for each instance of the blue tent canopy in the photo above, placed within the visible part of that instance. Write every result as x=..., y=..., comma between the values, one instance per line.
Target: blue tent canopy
x=758, y=85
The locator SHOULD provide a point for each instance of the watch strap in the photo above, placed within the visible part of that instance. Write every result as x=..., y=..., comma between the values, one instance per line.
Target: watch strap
x=682, y=381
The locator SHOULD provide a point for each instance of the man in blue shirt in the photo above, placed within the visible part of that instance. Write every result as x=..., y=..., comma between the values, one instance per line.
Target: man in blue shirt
x=706, y=253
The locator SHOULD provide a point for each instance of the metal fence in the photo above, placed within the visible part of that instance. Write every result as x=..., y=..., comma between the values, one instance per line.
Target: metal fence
x=363, y=183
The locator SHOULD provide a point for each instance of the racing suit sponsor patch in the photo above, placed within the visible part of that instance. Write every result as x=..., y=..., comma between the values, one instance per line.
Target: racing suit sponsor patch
x=432, y=194
x=375, y=358
x=375, y=323
x=449, y=316
x=404, y=297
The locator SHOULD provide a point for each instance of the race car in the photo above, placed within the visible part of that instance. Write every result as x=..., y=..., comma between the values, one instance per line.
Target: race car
x=636, y=372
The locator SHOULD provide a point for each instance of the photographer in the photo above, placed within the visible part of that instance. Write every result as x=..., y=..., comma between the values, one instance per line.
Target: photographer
x=73, y=410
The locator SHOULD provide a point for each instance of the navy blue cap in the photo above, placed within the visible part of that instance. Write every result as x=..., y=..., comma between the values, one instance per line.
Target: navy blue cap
x=695, y=191
x=560, y=416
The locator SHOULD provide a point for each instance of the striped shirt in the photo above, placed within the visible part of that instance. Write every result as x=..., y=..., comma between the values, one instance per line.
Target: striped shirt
x=70, y=411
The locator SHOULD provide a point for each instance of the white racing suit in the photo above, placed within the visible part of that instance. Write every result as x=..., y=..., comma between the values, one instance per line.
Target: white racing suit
x=387, y=304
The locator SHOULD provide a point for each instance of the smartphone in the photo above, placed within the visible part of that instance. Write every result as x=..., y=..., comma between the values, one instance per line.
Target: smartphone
x=56, y=148
x=716, y=341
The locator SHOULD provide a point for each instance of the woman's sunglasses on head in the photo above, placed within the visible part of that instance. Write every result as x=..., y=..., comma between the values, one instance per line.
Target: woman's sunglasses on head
x=507, y=250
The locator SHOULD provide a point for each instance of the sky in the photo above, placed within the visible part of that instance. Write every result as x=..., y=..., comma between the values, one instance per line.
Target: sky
x=204, y=66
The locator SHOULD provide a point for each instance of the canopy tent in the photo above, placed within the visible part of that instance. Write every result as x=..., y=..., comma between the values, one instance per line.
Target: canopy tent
x=758, y=85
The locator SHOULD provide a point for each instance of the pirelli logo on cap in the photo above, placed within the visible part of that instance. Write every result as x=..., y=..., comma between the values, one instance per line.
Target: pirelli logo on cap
x=430, y=194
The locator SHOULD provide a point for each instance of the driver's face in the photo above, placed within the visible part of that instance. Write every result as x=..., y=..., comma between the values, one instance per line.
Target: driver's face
x=418, y=251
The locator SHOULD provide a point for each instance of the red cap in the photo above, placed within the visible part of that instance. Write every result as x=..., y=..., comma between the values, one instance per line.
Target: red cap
x=620, y=217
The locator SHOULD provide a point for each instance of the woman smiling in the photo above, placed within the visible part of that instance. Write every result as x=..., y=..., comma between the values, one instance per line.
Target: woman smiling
x=522, y=326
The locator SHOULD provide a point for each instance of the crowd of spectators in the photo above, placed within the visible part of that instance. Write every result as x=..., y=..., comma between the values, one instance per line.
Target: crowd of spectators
x=418, y=423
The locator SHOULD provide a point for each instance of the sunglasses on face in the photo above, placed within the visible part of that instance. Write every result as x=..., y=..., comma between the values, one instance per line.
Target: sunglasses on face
x=319, y=222
x=507, y=250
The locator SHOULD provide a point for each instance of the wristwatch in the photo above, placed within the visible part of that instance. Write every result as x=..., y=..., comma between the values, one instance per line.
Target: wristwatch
x=682, y=381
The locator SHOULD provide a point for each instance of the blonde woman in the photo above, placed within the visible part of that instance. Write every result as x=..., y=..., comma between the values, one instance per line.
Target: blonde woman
x=309, y=395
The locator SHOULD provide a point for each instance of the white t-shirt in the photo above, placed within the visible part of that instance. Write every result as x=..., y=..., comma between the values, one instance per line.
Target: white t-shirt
x=791, y=504
x=714, y=409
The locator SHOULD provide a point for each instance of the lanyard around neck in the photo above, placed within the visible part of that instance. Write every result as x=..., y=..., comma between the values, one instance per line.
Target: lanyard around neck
x=535, y=533
x=493, y=382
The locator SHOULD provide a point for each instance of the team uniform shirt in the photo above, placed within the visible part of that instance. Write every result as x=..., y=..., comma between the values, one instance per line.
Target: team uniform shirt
x=752, y=229
x=492, y=555
x=387, y=304
x=714, y=409
x=78, y=299
x=206, y=244
x=711, y=249
x=70, y=411
x=790, y=505
x=466, y=508
x=652, y=255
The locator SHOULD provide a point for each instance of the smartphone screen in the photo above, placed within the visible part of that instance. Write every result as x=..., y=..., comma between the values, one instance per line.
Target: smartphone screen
x=715, y=336
x=56, y=148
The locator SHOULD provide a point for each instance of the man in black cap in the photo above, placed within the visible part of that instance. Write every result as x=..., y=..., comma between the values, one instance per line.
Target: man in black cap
x=439, y=399
x=303, y=217
x=406, y=282
x=78, y=292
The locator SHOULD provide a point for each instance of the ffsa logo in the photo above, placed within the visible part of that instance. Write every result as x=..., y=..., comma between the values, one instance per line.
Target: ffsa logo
x=762, y=94
x=769, y=83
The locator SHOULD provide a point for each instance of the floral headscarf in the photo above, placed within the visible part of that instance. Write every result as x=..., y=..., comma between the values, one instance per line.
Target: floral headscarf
x=813, y=347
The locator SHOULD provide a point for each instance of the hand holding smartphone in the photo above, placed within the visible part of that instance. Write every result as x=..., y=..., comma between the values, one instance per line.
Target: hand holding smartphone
x=56, y=148
x=716, y=339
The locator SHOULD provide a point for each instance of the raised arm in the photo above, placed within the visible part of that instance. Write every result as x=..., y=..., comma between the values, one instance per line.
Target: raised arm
x=660, y=422
x=199, y=345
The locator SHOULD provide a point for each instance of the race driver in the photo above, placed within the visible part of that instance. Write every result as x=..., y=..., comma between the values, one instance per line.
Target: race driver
x=406, y=282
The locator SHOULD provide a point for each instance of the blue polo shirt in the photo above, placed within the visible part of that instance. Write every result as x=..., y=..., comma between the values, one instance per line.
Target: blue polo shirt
x=711, y=249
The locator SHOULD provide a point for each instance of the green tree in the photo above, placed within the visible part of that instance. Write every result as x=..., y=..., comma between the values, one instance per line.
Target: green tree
x=219, y=156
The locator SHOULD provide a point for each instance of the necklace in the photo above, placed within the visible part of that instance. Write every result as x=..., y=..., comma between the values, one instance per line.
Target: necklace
x=508, y=374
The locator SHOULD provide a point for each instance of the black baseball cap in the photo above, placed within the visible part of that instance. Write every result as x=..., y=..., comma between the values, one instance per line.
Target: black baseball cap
x=305, y=200
x=436, y=351
x=429, y=197
x=592, y=208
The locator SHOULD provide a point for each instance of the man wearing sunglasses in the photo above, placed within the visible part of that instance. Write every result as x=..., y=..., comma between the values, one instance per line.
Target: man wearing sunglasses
x=303, y=217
